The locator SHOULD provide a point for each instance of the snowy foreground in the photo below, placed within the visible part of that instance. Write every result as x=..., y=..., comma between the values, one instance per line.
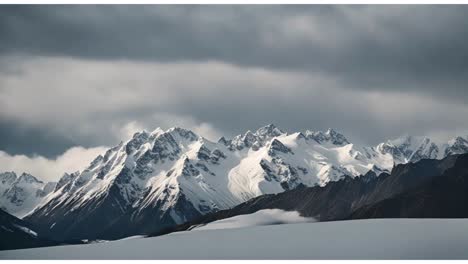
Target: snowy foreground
x=360, y=239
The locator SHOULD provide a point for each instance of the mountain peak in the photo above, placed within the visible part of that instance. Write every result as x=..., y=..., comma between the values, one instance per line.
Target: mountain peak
x=269, y=130
x=140, y=134
x=223, y=141
x=156, y=132
x=26, y=177
x=458, y=140
x=457, y=145
x=337, y=138
x=248, y=139
x=331, y=132
x=330, y=135
x=182, y=132
x=8, y=175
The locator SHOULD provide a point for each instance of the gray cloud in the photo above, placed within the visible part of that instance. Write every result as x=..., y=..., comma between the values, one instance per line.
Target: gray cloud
x=100, y=103
x=90, y=75
x=74, y=159
x=419, y=48
x=18, y=138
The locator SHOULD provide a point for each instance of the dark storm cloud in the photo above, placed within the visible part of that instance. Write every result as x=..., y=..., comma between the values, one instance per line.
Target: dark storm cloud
x=19, y=139
x=371, y=71
x=373, y=47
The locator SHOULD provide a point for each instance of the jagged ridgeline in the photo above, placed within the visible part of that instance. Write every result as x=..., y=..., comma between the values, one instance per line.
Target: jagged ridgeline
x=21, y=194
x=164, y=178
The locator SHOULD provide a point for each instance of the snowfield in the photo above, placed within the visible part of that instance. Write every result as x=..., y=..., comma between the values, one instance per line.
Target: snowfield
x=360, y=239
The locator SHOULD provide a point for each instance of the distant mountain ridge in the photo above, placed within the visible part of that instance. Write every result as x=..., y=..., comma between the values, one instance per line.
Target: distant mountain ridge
x=164, y=178
x=441, y=197
x=21, y=194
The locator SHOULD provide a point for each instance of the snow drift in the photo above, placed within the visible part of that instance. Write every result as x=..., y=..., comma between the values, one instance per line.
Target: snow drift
x=259, y=218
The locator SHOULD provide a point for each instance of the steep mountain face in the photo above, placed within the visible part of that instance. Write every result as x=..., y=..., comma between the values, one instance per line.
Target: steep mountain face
x=415, y=190
x=165, y=178
x=19, y=195
x=445, y=196
x=15, y=234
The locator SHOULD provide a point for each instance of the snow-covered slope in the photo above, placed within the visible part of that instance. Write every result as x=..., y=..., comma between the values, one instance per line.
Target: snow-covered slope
x=259, y=218
x=19, y=195
x=411, y=149
x=361, y=239
x=169, y=177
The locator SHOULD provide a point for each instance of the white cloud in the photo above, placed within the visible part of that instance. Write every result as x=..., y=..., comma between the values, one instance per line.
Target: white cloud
x=75, y=158
x=166, y=121
x=206, y=130
x=128, y=130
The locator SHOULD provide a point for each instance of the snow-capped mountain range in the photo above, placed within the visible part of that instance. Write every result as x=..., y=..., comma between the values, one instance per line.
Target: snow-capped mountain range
x=19, y=195
x=170, y=177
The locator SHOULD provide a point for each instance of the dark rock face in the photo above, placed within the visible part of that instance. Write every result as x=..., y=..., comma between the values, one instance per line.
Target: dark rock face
x=108, y=217
x=203, y=153
x=224, y=141
x=81, y=222
x=138, y=139
x=147, y=220
x=216, y=155
x=253, y=140
x=445, y=196
x=189, y=170
x=277, y=146
x=16, y=233
x=329, y=136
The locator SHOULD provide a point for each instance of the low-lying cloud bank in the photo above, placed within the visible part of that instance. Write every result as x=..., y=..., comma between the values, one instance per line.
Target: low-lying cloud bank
x=75, y=158
x=94, y=103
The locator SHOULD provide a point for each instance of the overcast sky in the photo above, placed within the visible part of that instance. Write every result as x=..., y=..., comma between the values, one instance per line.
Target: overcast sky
x=76, y=79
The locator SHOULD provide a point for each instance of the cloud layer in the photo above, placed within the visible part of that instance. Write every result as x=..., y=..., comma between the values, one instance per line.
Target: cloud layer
x=101, y=103
x=93, y=75
x=418, y=48
x=74, y=159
